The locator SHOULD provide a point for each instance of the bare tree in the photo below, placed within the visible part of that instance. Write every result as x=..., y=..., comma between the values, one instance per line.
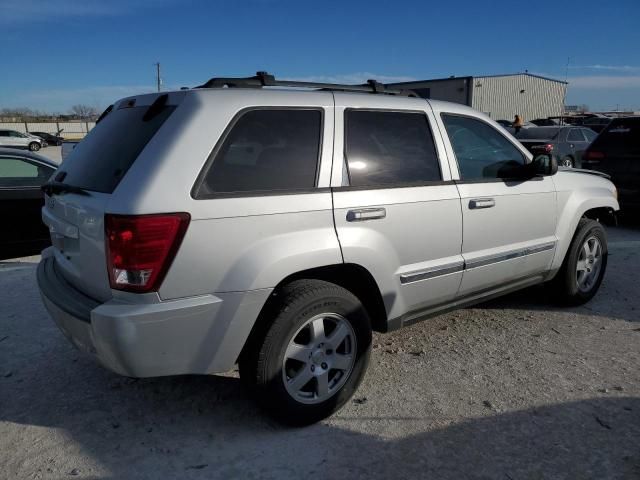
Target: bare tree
x=84, y=111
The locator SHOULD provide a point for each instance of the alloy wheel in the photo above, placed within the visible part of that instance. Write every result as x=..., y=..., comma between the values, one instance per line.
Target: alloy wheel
x=589, y=264
x=319, y=358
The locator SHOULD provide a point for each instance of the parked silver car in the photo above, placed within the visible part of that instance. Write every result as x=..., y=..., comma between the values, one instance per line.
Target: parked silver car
x=277, y=228
x=13, y=138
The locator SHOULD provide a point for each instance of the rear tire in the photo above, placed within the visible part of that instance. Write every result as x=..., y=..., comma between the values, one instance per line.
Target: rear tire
x=34, y=146
x=310, y=352
x=584, y=266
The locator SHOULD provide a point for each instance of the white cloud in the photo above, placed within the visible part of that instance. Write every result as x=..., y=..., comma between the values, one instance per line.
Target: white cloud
x=357, y=77
x=613, y=68
x=609, y=82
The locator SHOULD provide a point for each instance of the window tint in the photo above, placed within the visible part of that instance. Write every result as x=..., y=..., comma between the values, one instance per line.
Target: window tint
x=390, y=148
x=575, y=135
x=267, y=150
x=620, y=137
x=105, y=155
x=481, y=151
x=590, y=134
x=16, y=172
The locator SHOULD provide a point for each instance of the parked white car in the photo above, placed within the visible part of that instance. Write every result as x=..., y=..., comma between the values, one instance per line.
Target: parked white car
x=277, y=228
x=13, y=138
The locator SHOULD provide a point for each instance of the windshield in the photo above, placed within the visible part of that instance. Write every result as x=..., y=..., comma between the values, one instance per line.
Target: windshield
x=105, y=155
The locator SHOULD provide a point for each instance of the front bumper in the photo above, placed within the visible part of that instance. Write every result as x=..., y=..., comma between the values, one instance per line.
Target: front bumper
x=196, y=335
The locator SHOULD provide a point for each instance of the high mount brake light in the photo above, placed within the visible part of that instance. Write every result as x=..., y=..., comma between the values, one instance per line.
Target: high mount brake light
x=140, y=248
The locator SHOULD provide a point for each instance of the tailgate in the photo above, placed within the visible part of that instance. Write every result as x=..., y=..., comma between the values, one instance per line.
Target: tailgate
x=78, y=196
x=76, y=225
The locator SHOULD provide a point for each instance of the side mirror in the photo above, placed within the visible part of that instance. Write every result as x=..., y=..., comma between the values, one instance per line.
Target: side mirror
x=544, y=165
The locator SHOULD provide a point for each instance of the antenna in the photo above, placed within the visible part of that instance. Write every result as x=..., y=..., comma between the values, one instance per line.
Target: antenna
x=158, y=78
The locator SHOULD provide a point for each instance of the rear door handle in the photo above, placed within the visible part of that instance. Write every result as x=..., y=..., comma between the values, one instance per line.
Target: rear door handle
x=477, y=203
x=362, y=214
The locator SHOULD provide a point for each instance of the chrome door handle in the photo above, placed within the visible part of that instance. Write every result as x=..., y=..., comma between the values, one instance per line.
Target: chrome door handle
x=362, y=214
x=482, y=203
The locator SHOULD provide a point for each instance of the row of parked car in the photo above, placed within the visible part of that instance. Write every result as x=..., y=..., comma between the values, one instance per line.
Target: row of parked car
x=33, y=141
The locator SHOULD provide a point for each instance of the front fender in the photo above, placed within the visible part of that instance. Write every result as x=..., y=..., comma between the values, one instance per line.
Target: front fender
x=572, y=205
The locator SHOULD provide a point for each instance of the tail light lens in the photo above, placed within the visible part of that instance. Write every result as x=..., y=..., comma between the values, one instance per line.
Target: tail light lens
x=593, y=155
x=546, y=148
x=140, y=248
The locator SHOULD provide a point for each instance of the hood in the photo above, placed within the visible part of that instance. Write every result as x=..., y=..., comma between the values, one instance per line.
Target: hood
x=584, y=170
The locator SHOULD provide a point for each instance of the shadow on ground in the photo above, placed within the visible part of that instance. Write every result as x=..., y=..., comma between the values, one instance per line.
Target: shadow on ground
x=193, y=427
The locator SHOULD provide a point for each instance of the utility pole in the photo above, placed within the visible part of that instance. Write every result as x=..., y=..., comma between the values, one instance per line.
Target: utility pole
x=158, y=79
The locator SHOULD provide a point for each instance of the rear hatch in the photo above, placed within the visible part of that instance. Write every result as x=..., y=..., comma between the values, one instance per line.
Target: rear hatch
x=538, y=140
x=79, y=194
x=616, y=151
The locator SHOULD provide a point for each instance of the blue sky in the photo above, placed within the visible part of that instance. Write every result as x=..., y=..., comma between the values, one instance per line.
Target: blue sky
x=57, y=53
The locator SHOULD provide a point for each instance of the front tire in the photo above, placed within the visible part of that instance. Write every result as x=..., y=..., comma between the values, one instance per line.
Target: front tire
x=34, y=146
x=584, y=266
x=567, y=162
x=311, y=353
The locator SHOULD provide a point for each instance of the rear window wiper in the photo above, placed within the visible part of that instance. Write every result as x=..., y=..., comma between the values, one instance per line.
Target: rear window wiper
x=51, y=188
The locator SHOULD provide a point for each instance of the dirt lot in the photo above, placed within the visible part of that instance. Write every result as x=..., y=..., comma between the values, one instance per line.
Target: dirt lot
x=513, y=389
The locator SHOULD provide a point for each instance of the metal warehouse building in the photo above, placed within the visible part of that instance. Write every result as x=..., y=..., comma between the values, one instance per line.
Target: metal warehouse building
x=499, y=96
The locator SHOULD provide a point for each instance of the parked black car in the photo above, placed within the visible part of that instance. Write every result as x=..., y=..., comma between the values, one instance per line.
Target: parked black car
x=616, y=152
x=49, y=138
x=566, y=144
x=597, y=124
x=544, y=122
x=22, y=174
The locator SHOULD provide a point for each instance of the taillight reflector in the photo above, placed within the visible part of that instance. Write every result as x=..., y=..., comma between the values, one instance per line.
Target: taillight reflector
x=140, y=248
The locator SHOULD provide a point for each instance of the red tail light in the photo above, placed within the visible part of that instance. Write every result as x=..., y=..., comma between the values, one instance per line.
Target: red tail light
x=546, y=148
x=140, y=248
x=593, y=155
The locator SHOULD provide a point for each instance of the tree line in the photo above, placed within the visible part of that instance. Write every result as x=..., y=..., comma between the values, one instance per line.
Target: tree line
x=24, y=114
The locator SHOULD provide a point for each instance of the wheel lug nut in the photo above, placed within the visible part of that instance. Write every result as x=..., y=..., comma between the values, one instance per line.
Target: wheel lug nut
x=313, y=368
x=329, y=351
x=324, y=365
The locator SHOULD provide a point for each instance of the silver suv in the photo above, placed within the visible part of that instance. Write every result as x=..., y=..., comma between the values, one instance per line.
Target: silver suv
x=276, y=228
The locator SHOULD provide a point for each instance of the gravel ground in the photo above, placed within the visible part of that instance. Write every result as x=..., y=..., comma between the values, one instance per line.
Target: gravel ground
x=513, y=389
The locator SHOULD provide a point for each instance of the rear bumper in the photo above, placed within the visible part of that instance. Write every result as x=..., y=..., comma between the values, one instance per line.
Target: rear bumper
x=196, y=335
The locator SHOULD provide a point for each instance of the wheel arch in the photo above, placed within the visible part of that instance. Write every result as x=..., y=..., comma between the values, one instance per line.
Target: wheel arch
x=352, y=277
x=597, y=207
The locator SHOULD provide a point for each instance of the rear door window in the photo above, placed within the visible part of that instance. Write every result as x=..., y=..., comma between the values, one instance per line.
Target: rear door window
x=105, y=155
x=389, y=148
x=266, y=150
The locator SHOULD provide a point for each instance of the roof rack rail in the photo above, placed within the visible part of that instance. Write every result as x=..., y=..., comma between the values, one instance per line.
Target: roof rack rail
x=264, y=79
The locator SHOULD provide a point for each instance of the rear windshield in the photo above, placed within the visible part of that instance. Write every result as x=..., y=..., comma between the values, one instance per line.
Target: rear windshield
x=546, y=133
x=101, y=160
x=622, y=136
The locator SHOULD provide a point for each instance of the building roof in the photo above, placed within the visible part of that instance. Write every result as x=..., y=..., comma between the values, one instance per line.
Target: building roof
x=522, y=73
x=478, y=76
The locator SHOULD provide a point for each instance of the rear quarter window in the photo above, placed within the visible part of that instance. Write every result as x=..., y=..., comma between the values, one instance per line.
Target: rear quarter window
x=101, y=160
x=265, y=150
